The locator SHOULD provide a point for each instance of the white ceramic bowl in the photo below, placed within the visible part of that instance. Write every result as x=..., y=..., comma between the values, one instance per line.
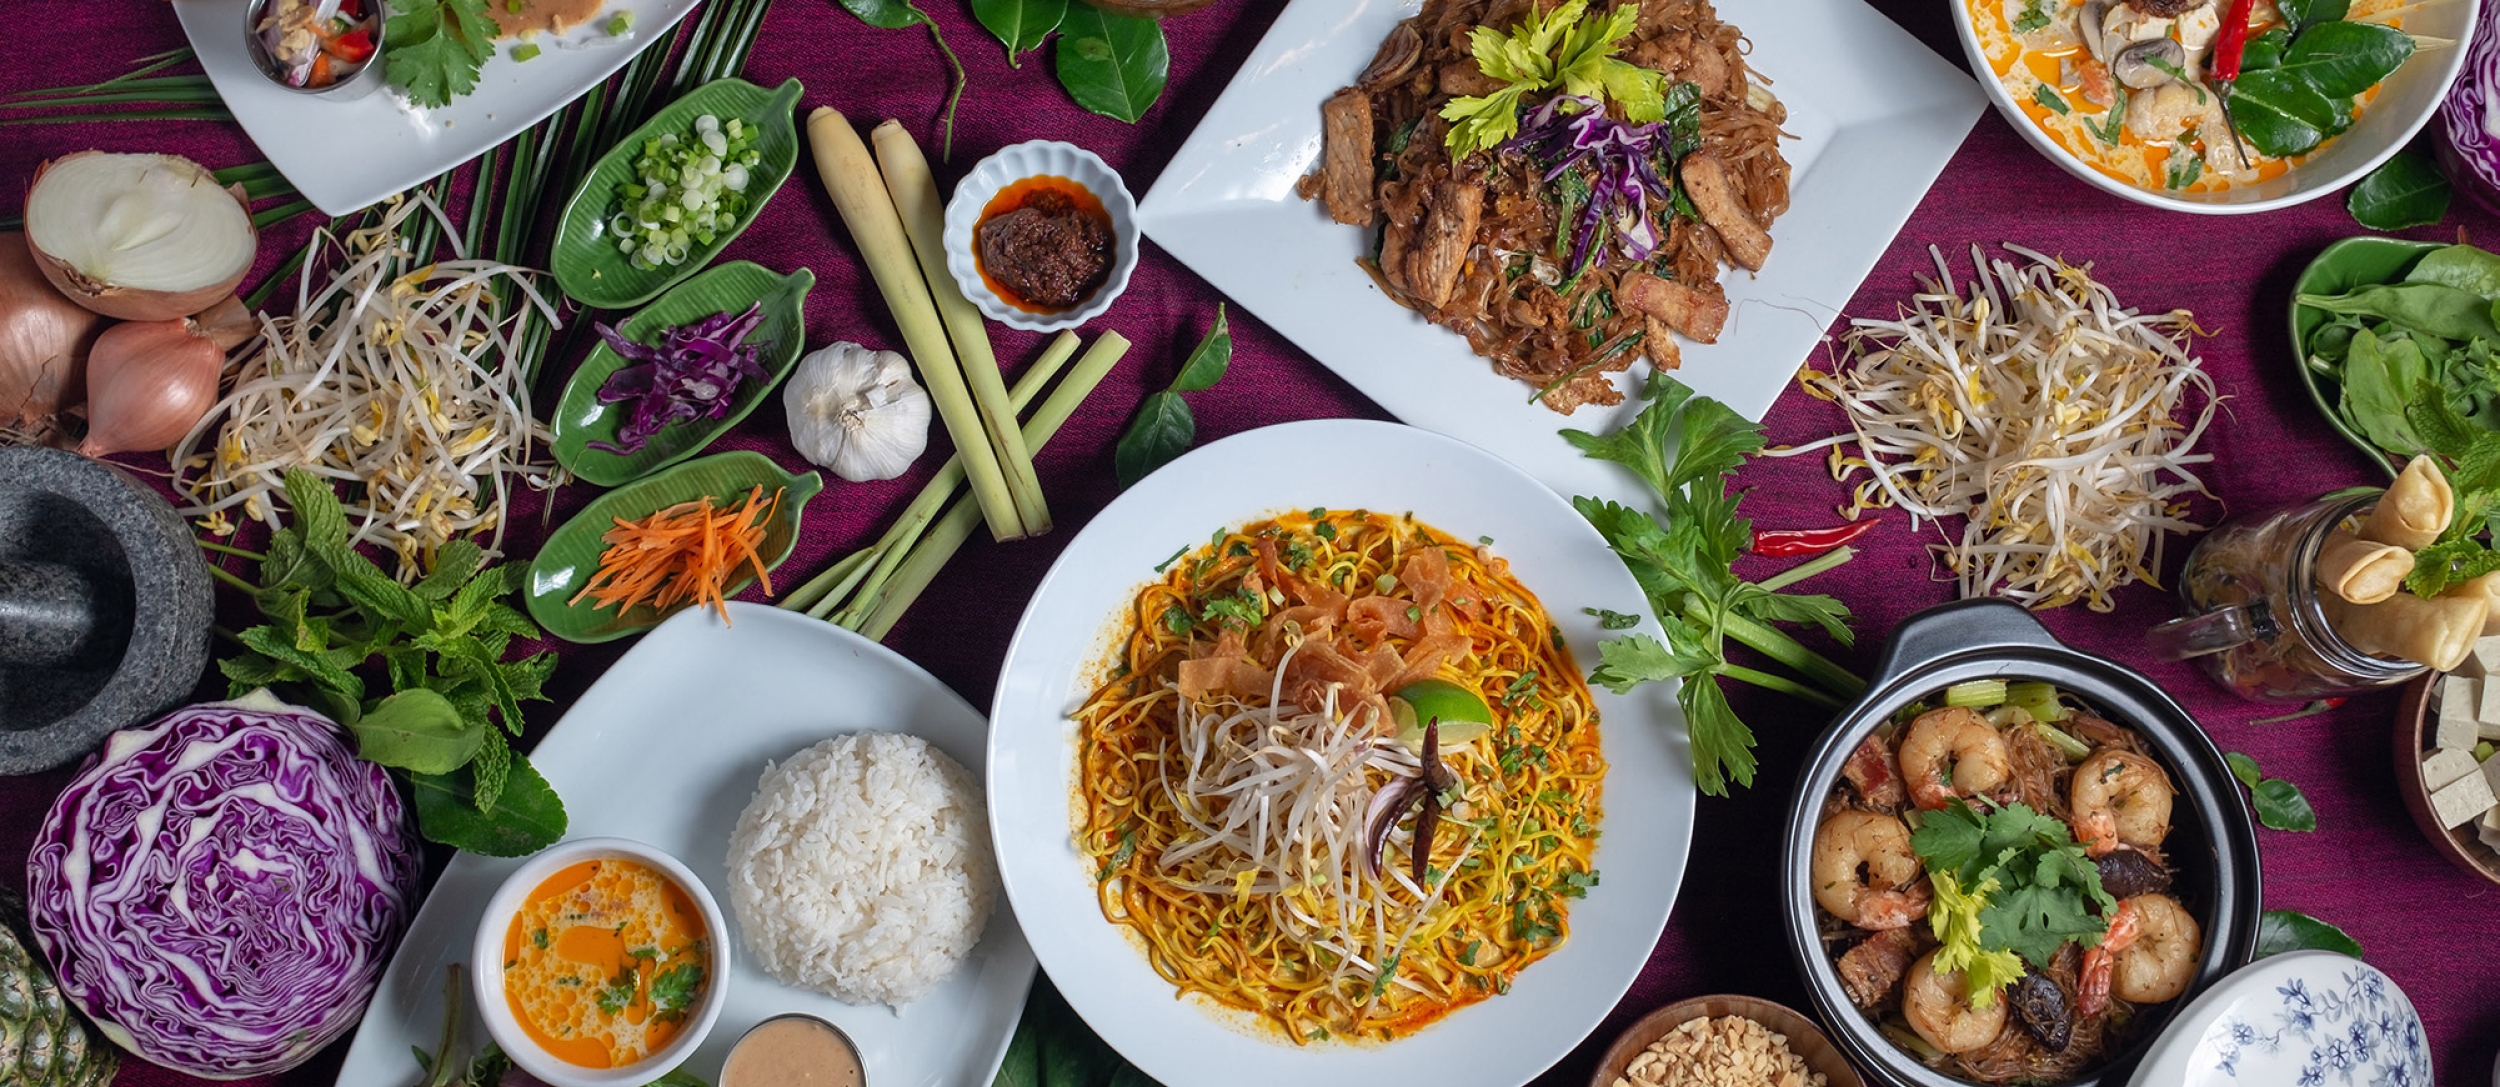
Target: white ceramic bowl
x=1039, y=158
x=2302, y=1017
x=2405, y=102
x=486, y=965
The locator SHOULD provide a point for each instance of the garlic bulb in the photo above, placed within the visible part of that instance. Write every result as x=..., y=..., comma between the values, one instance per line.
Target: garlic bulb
x=857, y=412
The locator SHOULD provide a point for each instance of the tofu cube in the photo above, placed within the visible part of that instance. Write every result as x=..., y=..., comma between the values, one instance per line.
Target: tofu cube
x=2485, y=660
x=2491, y=774
x=2462, y=801
x=2487, y=708
x=2445, y=766
x=2489, y=829
x=2460, y=701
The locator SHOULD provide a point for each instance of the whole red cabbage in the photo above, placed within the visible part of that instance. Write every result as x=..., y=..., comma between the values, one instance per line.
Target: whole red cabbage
x=2471, y=116
x=221, y=889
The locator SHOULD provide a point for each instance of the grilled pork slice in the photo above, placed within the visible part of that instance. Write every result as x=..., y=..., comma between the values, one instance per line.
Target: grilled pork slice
x=1870, y=971
x=1440, y=252
x=1345, y=184
x=1698, y=315
x=1705, y=180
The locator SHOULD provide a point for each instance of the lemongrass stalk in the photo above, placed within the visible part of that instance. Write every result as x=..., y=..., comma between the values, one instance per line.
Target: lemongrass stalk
x=825, y=584
x=916, y=197
x=859, y=194
x=924, y=508
x=886, y=604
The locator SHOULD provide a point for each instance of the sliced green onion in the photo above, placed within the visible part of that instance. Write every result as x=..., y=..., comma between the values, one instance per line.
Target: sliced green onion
x=1976, y=694
x=682, y=194
x=623, y=22
x=525, y=51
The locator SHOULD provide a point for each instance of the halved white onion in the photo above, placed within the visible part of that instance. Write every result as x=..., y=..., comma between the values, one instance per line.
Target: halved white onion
x=138, y=237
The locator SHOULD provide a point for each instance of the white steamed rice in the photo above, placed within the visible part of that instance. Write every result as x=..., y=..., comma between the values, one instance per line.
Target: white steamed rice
x=862, y=868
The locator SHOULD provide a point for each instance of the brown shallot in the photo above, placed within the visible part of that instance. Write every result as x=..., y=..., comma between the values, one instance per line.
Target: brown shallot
x=150, y=382
x=44, y=338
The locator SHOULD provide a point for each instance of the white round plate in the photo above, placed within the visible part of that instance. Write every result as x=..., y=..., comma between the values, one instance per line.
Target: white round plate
x=665, y=749
x=1077, y=618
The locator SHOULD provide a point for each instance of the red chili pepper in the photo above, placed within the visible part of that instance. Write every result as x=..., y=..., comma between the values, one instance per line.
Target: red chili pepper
x=1797, y=543
x=2231, y=44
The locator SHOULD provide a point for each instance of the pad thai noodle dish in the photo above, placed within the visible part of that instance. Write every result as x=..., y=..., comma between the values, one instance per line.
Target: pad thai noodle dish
x=1990, y=880
x=1559, y=182
x=1343, y=776
x=2193, y=96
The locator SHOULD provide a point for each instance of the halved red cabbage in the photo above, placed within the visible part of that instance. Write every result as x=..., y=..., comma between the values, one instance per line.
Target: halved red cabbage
x=2471, y=116
x=221, y=889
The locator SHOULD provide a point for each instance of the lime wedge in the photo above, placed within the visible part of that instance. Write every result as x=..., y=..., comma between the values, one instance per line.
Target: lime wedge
x=1463, y=716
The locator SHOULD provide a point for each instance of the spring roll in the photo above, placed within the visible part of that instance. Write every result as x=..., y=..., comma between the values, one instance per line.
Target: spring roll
x=2415, y=509
x=2360, y=571
x=2438, y=633
x=2487, y=587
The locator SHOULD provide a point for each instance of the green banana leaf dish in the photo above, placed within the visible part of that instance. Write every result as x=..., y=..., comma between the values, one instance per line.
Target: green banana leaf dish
x=582, y=420
x=572, y=553
x=588, y=265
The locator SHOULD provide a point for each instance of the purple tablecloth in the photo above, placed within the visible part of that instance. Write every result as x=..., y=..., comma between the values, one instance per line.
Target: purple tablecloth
x=2432, y=927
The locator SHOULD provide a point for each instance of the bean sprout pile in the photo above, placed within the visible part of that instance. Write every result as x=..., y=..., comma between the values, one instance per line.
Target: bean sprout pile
x=398, y=375
x=2053, y=420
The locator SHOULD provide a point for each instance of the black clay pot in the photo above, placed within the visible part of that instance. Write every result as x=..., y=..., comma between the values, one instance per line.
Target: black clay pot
x=2212, y=843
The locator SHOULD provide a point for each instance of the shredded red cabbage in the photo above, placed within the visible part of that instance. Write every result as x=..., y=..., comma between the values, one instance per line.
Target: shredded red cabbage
x=1571, y=130
x=693, y=374
x=2472, y=116
x=221, y=889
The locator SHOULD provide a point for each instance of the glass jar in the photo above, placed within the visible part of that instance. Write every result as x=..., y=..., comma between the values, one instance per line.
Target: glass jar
x=2253, y=621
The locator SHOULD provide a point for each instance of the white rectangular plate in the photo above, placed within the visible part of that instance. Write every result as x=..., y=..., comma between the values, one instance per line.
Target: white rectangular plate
x=1876, y=115
x=665, y=749
x=344, y=156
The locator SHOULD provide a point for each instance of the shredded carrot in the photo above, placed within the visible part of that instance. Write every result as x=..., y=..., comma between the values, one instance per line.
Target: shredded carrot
x=687, y=552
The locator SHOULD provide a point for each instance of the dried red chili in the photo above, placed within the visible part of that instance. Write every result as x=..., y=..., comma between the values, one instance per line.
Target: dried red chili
x=1797, y=543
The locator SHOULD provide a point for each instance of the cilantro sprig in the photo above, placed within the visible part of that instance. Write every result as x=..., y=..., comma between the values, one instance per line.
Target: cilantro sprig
x=2010, y=882
x=433, y=49
x=1568, y=48
x=1685, y=447
x=332, y=618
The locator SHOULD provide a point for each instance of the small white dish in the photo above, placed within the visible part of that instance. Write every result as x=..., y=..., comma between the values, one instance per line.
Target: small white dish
x=486, y=965
x=2405, y=102
x=1039, y=158
x=2302, y=1017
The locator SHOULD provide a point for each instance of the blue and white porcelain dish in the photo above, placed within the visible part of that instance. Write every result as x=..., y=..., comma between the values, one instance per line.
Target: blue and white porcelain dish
x=2300, y=1019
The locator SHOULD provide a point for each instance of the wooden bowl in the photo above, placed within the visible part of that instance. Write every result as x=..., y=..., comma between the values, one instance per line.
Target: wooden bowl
x=2414, y=733
x=1805, y=1039
x=1151, y=9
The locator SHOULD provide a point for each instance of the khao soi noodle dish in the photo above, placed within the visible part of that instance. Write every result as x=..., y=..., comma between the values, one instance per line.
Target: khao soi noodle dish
x=1559, y=182
x=2174, y=95
x=1989, y=877
x=1343, y=776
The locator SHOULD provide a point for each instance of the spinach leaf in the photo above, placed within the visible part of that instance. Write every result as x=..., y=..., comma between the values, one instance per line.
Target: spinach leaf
x=1163, y=430
x=2303, y=14
x=418, y=730
x=1208, y=361
x=2378, y=382
x=1114, y=65
x=2461, y=266
x=885, y=14
x=2280, y=113
x=2279, y=931
x=2344, y=59
x=2406, y=191
x=527, y=818
x=1021, y=25
x=2433, y=308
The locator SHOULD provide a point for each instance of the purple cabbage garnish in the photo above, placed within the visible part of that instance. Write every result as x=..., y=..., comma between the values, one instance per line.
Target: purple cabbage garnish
x=1571, y=130
x=2472, y=116
x=693, y=374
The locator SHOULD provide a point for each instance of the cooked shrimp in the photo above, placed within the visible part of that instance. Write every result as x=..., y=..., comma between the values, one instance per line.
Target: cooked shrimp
x=1864, y=872
x=1953, y=752
x=2148, y=956
x=2120, y=797
x=1937, y=1004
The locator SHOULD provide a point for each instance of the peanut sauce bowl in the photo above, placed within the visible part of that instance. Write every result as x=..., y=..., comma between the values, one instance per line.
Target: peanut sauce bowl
x=1022, y=162
x=2212, y=843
